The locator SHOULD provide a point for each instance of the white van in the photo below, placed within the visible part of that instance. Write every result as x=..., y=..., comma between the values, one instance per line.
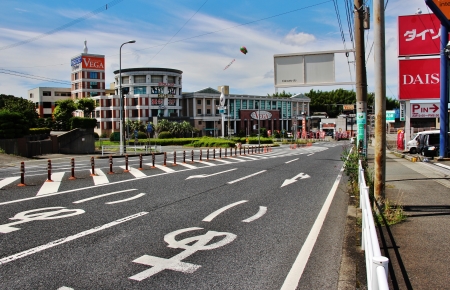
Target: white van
x=416, y=144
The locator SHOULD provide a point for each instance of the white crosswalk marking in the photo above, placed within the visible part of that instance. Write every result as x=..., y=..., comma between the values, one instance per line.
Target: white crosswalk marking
x=188, y=165
x=224, y=161
x=53, y=186
x=250, y=158
x=164, y=168
x=208, y=163
x=100, y=177
x=8, y=180
x=135, y=172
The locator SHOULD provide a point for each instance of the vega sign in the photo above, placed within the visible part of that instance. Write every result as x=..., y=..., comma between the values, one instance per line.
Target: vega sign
x=93, y=62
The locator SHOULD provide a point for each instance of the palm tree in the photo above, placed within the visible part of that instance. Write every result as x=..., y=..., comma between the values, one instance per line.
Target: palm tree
x=186, y=128
x=163, y=125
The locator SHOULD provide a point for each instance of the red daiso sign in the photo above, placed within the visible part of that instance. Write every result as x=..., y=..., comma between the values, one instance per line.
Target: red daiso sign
x=93, y=62
x=419, y=35
x=419, y=79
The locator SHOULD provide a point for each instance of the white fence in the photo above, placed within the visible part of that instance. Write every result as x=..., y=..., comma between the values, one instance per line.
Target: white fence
x=376, y=265
x=135, y=148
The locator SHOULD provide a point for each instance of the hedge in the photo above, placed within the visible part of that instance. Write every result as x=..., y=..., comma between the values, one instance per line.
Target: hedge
x=38, y=131
x=84, y=123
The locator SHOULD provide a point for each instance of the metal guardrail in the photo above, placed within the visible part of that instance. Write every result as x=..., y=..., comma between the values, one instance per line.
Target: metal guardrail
x=376, y=265
x=146, y=148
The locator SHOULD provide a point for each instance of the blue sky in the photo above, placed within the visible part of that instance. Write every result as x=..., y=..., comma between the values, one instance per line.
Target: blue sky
x=204, y=37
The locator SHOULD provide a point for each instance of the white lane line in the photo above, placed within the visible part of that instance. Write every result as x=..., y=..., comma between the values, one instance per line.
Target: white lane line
x=237, y=159
x=126, y=199
x=208, y=175
x=245, y=177
x=224, y=161
x=100, y=178
x=188, y=165
x=8, y=180
x=164, y=168
x=135, y=172
x=262, y=211
x=293, y=278
x=291, y=160
x=52, y=186
x=102, y=195
x=68, y=239
x=250, y=158
x=208, y=163
x=65, y=288
x=221, y=210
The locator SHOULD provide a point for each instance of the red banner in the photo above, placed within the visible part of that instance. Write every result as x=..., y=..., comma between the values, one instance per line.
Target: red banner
x=93, y=62
x=419, y=79
x=419, y=35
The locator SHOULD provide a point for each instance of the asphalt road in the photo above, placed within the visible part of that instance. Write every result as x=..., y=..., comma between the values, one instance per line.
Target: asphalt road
x=262, y=221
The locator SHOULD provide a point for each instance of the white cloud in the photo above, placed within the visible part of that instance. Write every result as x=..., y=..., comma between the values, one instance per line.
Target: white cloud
x=298, y=39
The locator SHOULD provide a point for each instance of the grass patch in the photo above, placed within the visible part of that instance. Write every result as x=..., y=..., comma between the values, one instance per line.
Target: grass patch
x=390, y=214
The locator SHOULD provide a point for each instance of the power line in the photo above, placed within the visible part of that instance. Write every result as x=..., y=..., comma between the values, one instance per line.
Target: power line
x=177, y=32
x=40, y=78
x=71, y=23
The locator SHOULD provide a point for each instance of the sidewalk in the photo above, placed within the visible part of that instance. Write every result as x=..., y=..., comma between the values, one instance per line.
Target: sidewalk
x=418, y=249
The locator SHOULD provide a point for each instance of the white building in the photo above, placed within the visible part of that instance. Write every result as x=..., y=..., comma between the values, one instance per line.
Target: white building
x=45, y=99
x=148, y=93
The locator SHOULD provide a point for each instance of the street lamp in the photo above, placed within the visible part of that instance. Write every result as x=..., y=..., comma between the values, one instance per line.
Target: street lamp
x=123, y=148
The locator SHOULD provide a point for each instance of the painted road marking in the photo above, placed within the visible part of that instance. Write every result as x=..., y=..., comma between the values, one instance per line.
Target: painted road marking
x=39, y=214
x=250, y=158
x=221, y=210
x=135, y=172
x=291, y=160
x=126, y=199
x=262, y=211
x=224, y=161
x=68, y=239
x=294, y=179
x=100, y=177
x=208, y=163
x=7, y=181
x=164, y=168
x=202, y=243
x=208, y=175
x=293, y=278
x=51, y=187
x=188, y=165
x=102, y=195
x=245, y=177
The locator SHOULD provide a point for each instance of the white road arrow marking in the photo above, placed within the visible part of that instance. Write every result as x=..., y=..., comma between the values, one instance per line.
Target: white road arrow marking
x=208, y=175
x=294, y=179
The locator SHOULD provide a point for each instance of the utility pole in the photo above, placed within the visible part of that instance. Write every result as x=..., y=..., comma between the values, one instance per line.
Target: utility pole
x=361, y=79
x=380, y=101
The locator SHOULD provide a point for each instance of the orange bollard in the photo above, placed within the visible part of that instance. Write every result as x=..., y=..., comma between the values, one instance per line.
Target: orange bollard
x=110, y=165
x=72, y=165
x=174, y=158
x=93, y=166
x=126, y=163
x=22, y=174
x=49, y=171
x=140, y=162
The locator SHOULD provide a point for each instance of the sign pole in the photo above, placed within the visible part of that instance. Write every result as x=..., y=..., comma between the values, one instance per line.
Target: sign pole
x=443, y=94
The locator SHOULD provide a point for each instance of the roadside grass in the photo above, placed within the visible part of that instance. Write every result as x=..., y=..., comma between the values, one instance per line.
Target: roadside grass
x=387, y=212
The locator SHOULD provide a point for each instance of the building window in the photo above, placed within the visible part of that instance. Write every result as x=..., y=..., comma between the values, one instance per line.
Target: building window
x=31, y=96
x=199, y=101
x=139, y=79
x=157, y=90
x=172, y=91
x=199, y=122
x=208, y=102
x=93, y=85
x=93, y=75
x=97, y=114
x=46, y=93
x=47, y=104
x=93, y=94
x=75, y=76
x=62, y=94
x=171, y=79
x=157, y=79
x=76, y=95
x=217, y=102
x=199, y=111
x=171, y=102
x=140, y=90
x=125, y=80
x=76, y=86
x=208, y=111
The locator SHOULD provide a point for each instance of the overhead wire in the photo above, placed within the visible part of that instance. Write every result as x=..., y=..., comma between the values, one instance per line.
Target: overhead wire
x=67, y=25
x=29, y=76
x=176, y=32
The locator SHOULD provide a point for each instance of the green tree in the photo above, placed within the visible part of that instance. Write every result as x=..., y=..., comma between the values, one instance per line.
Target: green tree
x=63, y=112
x=24, y=107
x=87, y=105
x=280, y=95
x=163, y=125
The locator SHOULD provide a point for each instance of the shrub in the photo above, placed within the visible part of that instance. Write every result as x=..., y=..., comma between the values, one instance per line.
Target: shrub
x=164, y=135
x=85, y=123
x=12, y=125
x=115, y=136
x=37, y=131
x=96, y=135
x=142, y=135
x=103, y=135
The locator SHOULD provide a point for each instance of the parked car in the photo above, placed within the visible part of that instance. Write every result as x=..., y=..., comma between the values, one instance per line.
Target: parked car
x=431, y=145
x=417, y=143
